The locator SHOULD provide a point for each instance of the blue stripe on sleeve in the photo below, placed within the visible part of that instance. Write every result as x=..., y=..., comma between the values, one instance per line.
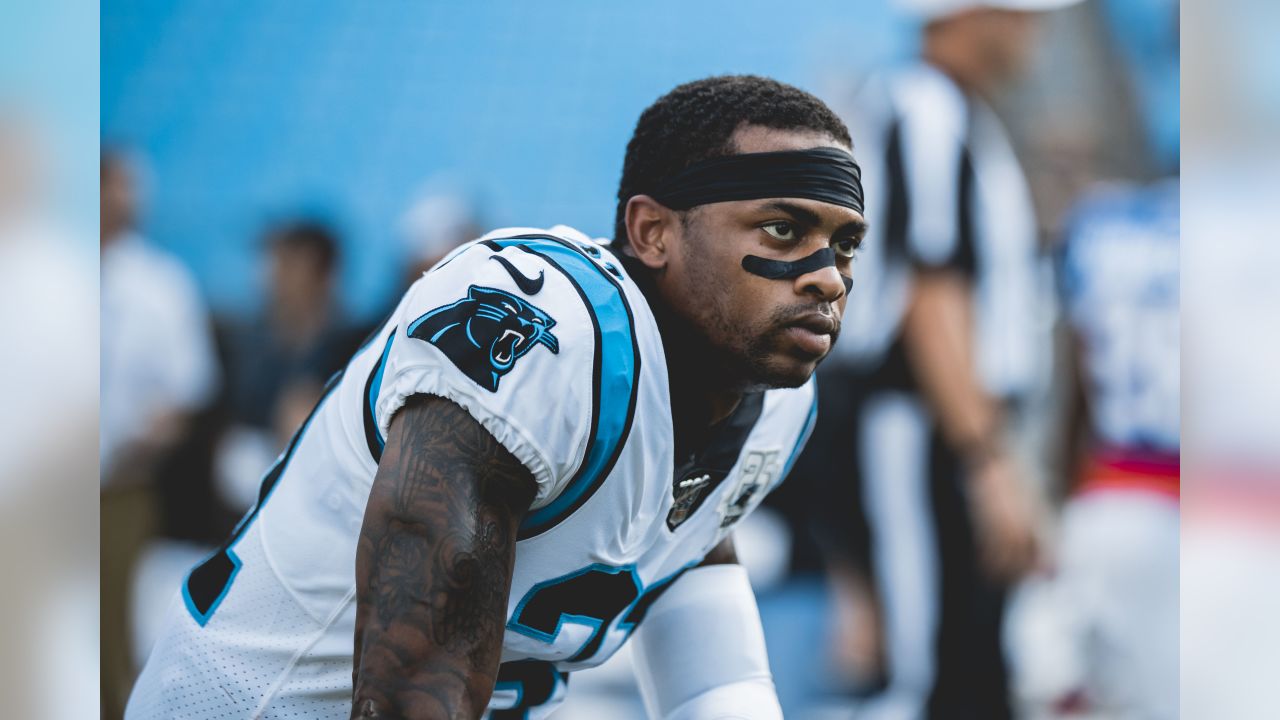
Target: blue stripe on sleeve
x=375, y=387
x=617, y=364
x=804, y=436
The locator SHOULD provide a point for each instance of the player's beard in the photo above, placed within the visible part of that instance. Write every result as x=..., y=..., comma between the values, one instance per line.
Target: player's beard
x=745, y=357
x=765, y=347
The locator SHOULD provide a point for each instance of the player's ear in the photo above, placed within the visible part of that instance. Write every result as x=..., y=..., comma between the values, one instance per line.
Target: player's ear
x=650, y=228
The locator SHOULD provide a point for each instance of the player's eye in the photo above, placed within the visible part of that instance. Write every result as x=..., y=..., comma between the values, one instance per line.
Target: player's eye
x=845, y=247
x=782, y=230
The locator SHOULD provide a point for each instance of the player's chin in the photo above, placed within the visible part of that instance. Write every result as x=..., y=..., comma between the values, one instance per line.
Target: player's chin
x=775, y=360
x=787, y=369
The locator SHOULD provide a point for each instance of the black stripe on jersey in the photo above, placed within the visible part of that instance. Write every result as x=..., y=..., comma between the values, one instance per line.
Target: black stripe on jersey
x=372, y=437
x=638, y=611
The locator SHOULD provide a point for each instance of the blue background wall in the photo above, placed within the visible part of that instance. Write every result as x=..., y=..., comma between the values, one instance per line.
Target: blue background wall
x=252, y=110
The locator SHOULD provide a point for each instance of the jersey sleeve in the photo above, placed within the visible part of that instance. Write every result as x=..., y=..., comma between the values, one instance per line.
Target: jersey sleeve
x=929, y=138
x=526, y=334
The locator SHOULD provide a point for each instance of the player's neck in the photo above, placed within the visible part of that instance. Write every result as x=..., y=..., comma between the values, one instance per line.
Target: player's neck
x=703, y=391
x=700, y=397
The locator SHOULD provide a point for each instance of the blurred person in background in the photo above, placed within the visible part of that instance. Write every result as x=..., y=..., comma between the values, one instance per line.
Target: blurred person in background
x=158, y=364
x=278, y=360
x=439, y=220
x=1100, y=634
x=1117, y=574
x=158, y=371
x=930, y=509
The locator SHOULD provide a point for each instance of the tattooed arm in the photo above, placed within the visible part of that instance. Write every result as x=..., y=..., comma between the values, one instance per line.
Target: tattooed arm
x=433, y=568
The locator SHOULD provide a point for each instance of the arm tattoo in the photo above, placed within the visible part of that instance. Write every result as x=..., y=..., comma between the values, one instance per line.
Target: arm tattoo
x=434, y=564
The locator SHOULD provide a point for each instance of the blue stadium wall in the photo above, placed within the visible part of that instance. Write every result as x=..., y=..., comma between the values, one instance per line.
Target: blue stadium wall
x=248, y=111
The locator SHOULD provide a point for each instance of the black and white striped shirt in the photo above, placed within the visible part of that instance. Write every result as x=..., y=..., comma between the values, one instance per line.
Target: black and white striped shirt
x=944, y=192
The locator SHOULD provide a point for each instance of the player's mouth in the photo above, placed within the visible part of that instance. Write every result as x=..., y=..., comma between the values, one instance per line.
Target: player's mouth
x=504, y=348
x=812, y=334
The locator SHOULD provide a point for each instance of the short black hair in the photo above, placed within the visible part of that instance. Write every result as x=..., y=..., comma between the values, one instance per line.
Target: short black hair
x=696, y=121
x=311, y=236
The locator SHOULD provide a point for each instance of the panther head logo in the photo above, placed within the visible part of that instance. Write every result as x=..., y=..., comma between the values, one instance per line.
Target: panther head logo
x=486, y=332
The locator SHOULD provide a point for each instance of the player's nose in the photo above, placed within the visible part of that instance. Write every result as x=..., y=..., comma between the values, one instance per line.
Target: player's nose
x=826, y=284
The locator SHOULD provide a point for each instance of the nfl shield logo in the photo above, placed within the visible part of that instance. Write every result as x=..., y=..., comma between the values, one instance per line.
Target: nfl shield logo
x=688, y=493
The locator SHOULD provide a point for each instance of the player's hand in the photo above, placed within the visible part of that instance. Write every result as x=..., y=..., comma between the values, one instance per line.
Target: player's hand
x=856, y=640
x=1004, y=518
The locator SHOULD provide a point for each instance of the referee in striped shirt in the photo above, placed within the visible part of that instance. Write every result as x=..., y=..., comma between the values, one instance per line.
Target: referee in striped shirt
x=939, y=343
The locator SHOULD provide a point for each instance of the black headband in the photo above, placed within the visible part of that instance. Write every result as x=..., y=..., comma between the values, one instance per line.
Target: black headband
x=824, y=174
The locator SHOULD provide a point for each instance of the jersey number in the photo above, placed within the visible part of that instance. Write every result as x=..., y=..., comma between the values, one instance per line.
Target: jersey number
x=594, y=596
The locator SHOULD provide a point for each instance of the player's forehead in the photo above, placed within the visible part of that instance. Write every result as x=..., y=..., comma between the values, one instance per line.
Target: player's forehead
x=758, y=138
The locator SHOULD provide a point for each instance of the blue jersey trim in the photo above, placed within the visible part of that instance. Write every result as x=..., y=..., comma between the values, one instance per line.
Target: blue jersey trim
x=615, y=373
x=516, y=685
x=804, y=436
x=372, y=433
x=203, y=618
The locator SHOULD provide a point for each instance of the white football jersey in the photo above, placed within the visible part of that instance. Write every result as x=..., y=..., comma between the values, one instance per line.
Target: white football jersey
x=544, y=339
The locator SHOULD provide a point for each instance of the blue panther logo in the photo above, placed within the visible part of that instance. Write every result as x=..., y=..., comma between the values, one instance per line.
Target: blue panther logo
x=486, y=332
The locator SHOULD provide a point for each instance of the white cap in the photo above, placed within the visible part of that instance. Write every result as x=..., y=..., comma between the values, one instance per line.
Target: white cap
x=439, y=220
x=936, y=9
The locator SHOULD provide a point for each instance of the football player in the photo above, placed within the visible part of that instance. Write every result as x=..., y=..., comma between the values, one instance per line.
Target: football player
x=1118, y=580
x=549, y=442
